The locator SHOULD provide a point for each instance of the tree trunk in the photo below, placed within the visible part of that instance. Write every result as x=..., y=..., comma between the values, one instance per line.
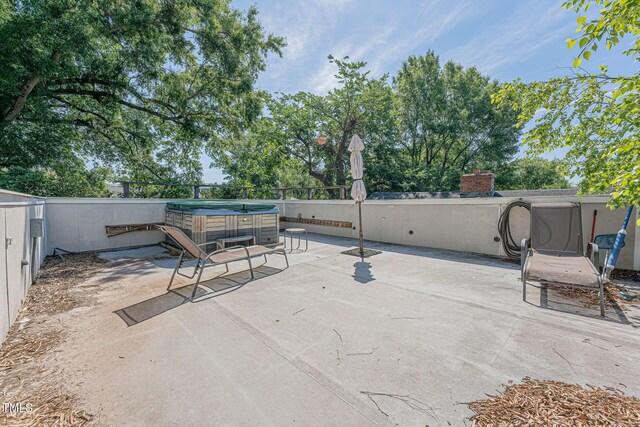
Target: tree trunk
x=26, y=90
x=22, y=99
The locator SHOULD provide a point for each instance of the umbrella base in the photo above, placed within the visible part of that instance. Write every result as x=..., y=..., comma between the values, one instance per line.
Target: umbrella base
x=366, y=253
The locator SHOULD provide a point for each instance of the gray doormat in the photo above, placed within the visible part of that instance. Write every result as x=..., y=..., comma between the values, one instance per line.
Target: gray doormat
x=365, y=254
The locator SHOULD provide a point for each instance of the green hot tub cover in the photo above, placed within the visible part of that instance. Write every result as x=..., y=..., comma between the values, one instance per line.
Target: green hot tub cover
x=217, y=205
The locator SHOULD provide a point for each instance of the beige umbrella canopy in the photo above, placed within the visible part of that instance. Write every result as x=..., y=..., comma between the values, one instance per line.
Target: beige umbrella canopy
x=358, y=190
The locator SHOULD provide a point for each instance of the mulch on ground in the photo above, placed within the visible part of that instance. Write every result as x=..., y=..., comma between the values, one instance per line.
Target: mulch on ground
x=25, y=377
x=630, y=275
x=56, y=289
x=554, y=403
x=591, y=298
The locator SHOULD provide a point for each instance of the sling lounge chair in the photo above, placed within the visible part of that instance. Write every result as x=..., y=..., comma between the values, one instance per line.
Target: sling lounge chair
x=215, y=258
x=555, y=255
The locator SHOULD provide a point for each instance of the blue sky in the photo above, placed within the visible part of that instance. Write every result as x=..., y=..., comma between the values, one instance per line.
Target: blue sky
x=504, y=39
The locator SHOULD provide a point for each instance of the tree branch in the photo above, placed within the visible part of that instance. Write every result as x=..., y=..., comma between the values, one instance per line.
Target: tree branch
x=98, y=95
x=25, y=91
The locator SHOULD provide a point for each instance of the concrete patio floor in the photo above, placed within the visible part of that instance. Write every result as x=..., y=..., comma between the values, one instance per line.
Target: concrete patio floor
x=405, y=337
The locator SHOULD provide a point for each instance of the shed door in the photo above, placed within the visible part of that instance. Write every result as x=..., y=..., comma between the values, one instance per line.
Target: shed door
x=4, y=302
x=15, y=229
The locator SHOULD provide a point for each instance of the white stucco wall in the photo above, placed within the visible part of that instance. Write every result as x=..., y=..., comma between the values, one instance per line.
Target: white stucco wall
x=21, y=253
x=468, y=225
x=77, y=225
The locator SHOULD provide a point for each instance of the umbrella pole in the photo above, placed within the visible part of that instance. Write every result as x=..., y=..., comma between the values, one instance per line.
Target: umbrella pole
x=360, y=225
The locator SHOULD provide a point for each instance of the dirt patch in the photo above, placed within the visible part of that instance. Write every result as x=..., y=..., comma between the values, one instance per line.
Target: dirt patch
x=546, y=403
x=592, y=299
x=26, y=377
x=57, y=290
x=630, y=275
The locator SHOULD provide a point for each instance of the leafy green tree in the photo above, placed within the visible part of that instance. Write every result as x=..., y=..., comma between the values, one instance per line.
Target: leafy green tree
x=530, y=174
x=68, y=180
x=448, y=124
x=434, y=124
x=288, y=136
x=138, y=86
x=595, y=117
x=253, y=159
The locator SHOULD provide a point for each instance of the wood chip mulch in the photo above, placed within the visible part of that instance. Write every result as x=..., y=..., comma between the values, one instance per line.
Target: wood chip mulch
x=56, y=289
x=591, y=298
x=554, y=403
x=25, y=377
x=630, y=275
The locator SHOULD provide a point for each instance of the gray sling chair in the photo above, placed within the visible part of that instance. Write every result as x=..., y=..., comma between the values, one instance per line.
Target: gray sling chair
x=556, y=255
x=215, y=258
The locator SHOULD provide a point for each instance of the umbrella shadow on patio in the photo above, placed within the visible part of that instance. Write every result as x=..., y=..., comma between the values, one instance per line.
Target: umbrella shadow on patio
x=362, y=272
x=216, y=286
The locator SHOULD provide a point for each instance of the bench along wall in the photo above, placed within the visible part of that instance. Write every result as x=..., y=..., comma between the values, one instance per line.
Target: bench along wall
x=468, y=225
x=23, y=250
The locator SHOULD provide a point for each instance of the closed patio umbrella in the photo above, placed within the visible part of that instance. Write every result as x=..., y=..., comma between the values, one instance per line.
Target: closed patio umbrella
x=358, y=190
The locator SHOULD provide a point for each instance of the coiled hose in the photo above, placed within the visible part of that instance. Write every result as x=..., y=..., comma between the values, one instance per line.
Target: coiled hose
x=510, y=246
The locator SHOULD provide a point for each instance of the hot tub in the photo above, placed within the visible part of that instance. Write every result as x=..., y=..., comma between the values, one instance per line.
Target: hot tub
x=206, y=220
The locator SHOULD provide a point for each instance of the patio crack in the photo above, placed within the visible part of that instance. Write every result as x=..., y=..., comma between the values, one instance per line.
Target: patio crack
x=411, y=402
x=506, y=340
x=524, y=316
x=565, y=359
x=300, y=365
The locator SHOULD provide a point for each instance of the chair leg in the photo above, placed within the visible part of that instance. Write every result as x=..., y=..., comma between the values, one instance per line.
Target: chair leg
x=251, y=268
x=195, y=287
x=265, y=258
x=524, y=286
x=601, y=283
x=175, y=270
x=226, y=265
x=285, y=258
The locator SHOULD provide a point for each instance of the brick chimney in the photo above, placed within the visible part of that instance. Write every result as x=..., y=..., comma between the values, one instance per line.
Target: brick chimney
x=477, y=184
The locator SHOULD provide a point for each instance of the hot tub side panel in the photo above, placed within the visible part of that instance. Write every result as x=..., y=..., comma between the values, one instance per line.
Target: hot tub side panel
x=266, y=229
x=202, y=228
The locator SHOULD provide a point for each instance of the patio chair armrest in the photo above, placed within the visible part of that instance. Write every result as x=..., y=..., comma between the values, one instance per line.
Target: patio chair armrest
x=593, y=253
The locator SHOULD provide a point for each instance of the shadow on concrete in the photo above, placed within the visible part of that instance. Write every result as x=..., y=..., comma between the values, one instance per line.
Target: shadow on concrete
x=362, y=272
x=214, y=287
x=440, y=254
x=125, y=269
x=552, y=299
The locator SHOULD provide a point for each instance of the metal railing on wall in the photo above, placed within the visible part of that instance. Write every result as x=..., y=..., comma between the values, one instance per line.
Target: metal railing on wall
x=244, y=192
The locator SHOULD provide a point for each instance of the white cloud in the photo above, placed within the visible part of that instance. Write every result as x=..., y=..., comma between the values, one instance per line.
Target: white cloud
x=324, y=79
x=384, y=33
x=389, y=42
x=397, y=42
x=302, y=23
